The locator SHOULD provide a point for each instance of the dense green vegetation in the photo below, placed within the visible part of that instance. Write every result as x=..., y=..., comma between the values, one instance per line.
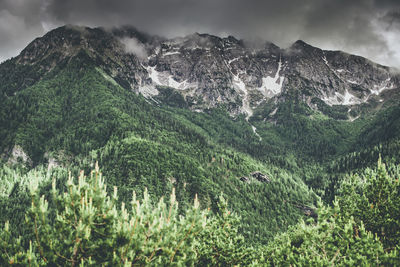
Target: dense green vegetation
x=79, y=222
x=361, y=228
x=76, y=115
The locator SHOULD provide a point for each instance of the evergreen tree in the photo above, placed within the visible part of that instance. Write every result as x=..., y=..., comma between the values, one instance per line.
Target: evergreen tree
x=333, y=240
x=87, y=227
x=374, y=198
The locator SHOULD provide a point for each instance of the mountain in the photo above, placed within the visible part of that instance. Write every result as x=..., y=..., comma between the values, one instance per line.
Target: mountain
x=272, y=129
x=209, y=71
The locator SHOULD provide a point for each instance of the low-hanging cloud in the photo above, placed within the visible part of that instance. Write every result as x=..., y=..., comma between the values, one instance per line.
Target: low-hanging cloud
x=364, y=27
x=133, y=46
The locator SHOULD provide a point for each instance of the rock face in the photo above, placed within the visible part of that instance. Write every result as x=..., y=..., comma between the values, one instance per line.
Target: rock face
x=260, y=177
x=263, y=178
x=308, y=211
x=52, y=163
x=245, y=179
x=208, y=71
x=18, y=155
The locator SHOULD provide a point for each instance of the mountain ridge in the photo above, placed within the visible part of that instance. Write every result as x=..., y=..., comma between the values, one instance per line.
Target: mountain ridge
x=209, y=71
x=196, y=113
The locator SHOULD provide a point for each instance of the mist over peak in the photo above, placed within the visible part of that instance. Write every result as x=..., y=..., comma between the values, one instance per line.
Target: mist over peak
x=366, y=28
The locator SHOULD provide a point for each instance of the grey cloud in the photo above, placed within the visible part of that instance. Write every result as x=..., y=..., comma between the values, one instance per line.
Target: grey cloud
x=365, y=27
x=386, y=4
x=133, y=46
x=20, y=22
x=391, y=20
x=351, y=27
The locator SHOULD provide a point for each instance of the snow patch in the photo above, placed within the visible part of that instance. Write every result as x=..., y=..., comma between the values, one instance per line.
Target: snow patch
x=166, y=79
x=255, y=132
x=175, y=84
x=148, y=91
x=171, y=53
x=379, y=88
x=348, y=99
x=386, y=85
x=239, y=84
x=273, y=112
x=341, y=99
x=352, y=82
x=272, y=86
x=351, y=119
x=232, y=60
x=154, y=75
x=325, y=60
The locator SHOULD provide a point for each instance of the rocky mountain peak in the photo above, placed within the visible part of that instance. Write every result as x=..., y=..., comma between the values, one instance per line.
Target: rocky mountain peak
x=301, y=44
x=208, y=71
x=302, y=49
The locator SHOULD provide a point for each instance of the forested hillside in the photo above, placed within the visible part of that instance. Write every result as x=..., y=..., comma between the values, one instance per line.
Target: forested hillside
x=293, y=181
x=76, y=221
x=78, y=116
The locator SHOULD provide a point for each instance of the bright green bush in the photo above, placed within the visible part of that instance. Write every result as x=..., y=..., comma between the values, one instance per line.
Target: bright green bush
x=87, y=227
x=220, y=244
x=334, y=240
x=374, y=198
x=80, y=223
x=362, y=227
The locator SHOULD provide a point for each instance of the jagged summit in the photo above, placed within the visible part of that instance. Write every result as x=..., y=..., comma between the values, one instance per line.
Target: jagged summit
x=301, y=43
x=208, y=71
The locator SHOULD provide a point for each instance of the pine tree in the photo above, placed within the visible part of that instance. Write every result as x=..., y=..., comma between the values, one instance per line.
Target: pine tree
x=373, y=198
x=334, y=240
x=87, y=227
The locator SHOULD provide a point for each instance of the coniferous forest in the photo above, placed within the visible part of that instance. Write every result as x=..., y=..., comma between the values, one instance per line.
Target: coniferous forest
x=93, y=174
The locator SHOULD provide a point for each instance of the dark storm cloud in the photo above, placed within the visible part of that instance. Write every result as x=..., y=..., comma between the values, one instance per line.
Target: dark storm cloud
x=366, y=27
x=20, y=22
x=392, y=20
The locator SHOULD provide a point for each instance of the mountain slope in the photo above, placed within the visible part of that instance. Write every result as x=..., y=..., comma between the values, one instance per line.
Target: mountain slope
x=199, y=113
x=208, y=71
x=76, y=113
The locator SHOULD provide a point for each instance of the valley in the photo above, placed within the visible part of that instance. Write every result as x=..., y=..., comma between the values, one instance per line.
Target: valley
x=197, y=117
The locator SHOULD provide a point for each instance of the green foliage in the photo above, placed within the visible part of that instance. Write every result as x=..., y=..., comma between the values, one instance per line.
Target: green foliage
x=135, y=163
x=220, y=244
x=373, y=198
x=78, y=110
x=9, y=247
x=383, y=127
x=77, y=113
x=83, y=224
x=171, y=97
x=335, y=112
x=334, y=240
x=86, y=227
x=362, y=227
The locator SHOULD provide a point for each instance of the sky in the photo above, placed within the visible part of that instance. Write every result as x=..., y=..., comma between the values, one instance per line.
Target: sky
x=370, y=28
